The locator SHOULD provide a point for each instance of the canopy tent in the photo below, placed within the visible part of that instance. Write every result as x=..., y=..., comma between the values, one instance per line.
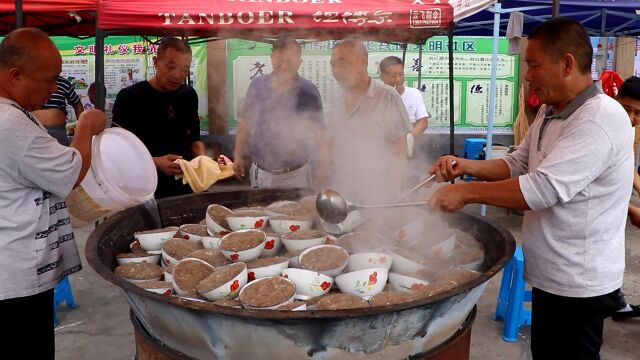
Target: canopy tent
x=600, y=17
x=56, y=17
x=391, y=21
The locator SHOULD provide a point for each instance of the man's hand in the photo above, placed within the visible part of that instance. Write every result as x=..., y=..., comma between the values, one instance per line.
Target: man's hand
x=238, y=167
x=449, y=198
x=634, y=215
x=445, y=171
x=166, y=164
x=93, y=121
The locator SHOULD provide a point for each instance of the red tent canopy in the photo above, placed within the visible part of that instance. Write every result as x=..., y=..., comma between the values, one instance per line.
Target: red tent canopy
x=56, y=17
x=383, y=20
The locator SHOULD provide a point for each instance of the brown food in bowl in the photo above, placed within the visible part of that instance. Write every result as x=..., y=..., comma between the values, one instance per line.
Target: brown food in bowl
x=219, y=215
x=155, y=284
x=180, y=248
x=283, y=207
x=228, y=302
x=387, y=298
x=156, y=231
x=466, y=255
x=324, y=258
x=262, y=262
x=459, y=276
x=296, y=217
x=267, y=292
x=188, y=273
x=341, y=301
x=133, y=255
x=139, y=271
x=220, y=277
x=195, y=229
x=304, y=235
x=247, y=213
x=292, y=305
x=241, y=240
x=212, y=256
x=433, y=288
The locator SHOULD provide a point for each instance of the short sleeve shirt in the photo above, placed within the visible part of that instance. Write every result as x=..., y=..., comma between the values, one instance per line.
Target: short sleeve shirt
x=65, y=94
x=414, y=103
x=37, y=245
x=363, y=142
x=282, y=123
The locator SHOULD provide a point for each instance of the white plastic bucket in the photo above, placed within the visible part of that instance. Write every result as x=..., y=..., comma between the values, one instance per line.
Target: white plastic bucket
x=498, y=151
x=122, y=175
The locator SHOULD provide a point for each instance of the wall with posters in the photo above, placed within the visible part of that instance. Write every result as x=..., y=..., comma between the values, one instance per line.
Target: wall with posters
x=127, y=60
x=472, y=67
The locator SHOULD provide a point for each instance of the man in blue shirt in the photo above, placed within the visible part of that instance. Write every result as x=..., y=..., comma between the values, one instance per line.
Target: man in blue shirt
x=281, y=116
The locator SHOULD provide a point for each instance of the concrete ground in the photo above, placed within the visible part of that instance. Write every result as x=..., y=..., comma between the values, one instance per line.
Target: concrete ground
x=99, y=328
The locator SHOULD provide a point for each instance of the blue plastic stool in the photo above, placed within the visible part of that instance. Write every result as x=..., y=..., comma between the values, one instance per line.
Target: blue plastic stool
x=62, y=293
x=512, y=297
x=473, y=147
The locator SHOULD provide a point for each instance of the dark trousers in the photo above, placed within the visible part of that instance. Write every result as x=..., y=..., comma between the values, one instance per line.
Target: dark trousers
x=27, y=327
x=569, y=328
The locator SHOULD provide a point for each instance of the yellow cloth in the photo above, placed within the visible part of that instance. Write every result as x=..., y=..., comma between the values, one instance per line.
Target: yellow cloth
x=202, y=172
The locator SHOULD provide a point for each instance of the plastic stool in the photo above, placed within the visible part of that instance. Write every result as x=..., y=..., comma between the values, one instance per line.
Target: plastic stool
x=62, y=293
x=512, y=296
x=473, y=147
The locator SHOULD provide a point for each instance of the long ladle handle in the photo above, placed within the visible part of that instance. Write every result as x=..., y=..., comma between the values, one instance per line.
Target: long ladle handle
x=410, y=191
x=358, y=207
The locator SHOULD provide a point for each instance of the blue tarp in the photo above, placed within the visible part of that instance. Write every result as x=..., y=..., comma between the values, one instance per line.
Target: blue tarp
x=600, y=17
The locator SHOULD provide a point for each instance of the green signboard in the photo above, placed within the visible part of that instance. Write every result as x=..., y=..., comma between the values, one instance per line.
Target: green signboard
x=472, y=68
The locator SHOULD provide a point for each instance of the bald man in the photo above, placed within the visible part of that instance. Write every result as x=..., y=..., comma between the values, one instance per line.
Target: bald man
x=37, y=246
x=368, y=127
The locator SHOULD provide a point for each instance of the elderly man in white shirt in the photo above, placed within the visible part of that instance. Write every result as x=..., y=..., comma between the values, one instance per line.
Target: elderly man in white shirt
x=573, y=175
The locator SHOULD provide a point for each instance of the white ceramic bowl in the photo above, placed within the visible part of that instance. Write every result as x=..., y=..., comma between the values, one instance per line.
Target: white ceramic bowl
x=243, y=255
x=331, y=272
x=404, y=283
x=309, y=284
x=168, y=276
x=213, y=226
x=362, y=241
x=405, y=266
x=284, y=226
x=134, y=281
x=150, y=258
x=272, y=246
x=168, y=259
x=153, y=241
x=229, y=289
x=363, y=283
x=247, y=222
x=211, y=241
x=272, y=211
x=267, y=271
x=253, y=283
x=177, y=288
x=369, y=260
x=162, y=291
x=443, y=249
x=294, y=245
x=190, y=236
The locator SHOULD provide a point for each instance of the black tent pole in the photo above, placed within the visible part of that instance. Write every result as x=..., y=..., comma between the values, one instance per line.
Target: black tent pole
x=101, y=92
x=556, y=8
x=19, y=14
x=451, y=102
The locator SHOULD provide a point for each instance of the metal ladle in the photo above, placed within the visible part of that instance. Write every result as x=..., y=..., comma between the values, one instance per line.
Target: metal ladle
x=333, y=208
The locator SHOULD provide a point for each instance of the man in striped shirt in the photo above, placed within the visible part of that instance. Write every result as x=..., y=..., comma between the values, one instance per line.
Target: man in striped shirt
x=54, y=113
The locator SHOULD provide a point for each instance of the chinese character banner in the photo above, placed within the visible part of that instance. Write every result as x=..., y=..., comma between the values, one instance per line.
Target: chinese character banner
x=472, y=68
x=128, y=60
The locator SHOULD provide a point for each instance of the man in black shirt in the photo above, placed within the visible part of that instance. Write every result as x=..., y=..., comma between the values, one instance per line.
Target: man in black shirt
x=163, y=113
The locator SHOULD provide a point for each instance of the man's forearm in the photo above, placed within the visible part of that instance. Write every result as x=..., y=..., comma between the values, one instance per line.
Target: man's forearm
x=505, y=193
x=241, y=139
x=636, y=181
x=420, y=126
x=488, y=170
